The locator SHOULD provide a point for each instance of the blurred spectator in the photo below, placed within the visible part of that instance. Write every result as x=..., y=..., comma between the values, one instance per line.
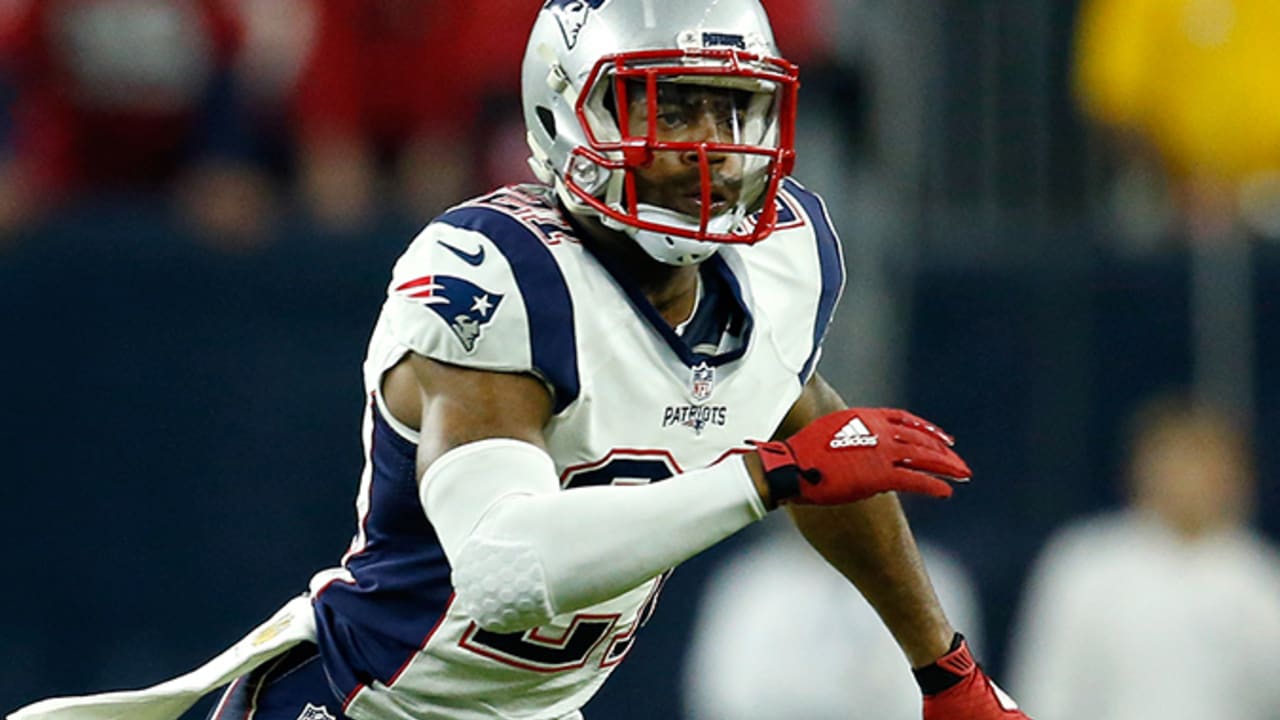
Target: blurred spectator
x=1190, y=92
x=399, y=88
x=803, y=30
x=1169, y=609
x=127, y=95
x=778, y=636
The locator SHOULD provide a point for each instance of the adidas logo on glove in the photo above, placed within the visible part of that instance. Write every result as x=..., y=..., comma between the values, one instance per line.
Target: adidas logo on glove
x=854, y=434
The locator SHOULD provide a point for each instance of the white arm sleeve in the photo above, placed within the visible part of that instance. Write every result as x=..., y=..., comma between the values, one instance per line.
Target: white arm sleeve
x=522, y=551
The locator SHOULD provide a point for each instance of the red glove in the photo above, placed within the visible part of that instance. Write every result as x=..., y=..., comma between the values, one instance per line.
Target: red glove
x=956, y=688
x=853, y=454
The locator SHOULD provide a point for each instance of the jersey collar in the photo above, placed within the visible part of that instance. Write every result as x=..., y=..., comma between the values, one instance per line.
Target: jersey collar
x=723, y=310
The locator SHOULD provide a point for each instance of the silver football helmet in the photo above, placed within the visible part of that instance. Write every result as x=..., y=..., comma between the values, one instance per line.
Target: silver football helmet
x=670, y=120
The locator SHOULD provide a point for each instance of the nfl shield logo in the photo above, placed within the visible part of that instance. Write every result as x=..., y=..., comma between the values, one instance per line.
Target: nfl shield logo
x=311, y=712
x=702, y=382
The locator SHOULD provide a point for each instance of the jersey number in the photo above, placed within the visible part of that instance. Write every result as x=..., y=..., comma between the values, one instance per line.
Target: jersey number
x=540, y=649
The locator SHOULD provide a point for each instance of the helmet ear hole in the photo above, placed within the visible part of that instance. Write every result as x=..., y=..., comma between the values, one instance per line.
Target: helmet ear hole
x=547, y=119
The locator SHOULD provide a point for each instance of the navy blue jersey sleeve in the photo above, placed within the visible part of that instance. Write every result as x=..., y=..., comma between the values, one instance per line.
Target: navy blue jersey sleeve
x=831, y=270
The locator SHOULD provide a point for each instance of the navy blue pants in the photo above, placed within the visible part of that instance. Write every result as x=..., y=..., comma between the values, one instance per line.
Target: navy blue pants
x=290, y=687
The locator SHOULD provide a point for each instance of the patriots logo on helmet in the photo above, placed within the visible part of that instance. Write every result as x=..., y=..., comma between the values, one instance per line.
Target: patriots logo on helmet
x=572, y=15
x=463, y=305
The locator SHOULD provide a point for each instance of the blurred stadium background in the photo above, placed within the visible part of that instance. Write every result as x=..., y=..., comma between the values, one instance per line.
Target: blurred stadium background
x=200, y=202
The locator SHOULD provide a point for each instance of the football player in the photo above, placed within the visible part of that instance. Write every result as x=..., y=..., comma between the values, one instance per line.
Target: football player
x=576, y=385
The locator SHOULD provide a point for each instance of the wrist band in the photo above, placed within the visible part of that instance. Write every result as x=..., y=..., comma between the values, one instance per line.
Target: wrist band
x=937, y=677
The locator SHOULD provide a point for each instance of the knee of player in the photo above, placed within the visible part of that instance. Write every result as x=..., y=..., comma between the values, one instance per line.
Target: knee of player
x=501, y=585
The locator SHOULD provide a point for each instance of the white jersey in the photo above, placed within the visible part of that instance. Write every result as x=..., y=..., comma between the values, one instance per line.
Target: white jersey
x=502, y=283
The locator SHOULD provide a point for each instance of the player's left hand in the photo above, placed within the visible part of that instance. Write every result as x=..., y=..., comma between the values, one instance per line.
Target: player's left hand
x=956, y=688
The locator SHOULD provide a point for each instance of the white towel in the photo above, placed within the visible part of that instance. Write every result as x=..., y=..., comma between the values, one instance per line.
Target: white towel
x=291, y=624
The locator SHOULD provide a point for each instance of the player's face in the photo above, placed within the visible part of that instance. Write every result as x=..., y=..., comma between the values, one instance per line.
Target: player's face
x=689, y=113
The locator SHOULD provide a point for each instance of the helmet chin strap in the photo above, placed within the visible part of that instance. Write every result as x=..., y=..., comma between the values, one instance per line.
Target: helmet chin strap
x=673, y=249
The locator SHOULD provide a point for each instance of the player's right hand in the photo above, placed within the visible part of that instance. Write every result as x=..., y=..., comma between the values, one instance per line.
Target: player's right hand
x=850, y=455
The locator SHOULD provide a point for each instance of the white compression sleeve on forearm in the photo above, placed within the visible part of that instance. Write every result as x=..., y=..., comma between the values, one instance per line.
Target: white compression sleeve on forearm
x=523, y=551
